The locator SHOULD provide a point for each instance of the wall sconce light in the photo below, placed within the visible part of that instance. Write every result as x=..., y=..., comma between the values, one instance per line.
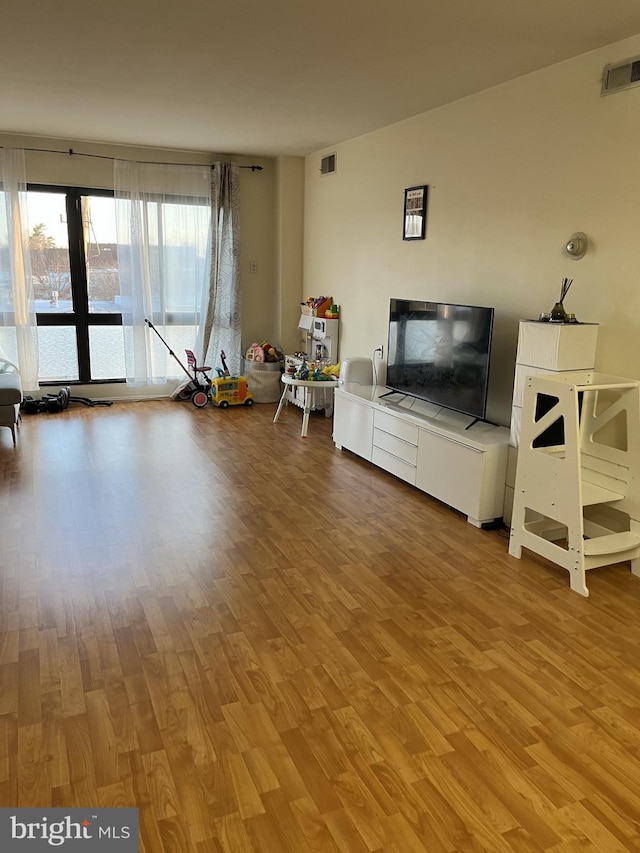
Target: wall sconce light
x=576, y=246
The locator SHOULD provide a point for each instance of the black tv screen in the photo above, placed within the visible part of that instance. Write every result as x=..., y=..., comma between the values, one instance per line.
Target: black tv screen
x=439, y=352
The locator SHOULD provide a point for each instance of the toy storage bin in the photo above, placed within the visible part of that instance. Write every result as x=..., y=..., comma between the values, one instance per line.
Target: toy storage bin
x=263, y=378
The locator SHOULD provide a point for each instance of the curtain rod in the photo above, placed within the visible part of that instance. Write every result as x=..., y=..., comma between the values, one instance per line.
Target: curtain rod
x=71, y=153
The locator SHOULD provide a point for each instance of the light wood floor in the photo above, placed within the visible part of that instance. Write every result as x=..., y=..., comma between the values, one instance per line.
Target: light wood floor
x=269, y=645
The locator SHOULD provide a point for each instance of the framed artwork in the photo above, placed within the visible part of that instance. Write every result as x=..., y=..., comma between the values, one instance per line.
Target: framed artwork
x=414, y=220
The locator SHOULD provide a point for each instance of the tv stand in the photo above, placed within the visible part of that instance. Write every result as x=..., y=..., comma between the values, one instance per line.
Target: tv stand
x=434, y=450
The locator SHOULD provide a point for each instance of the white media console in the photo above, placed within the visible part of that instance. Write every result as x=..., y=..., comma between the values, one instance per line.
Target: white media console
x=426, y=446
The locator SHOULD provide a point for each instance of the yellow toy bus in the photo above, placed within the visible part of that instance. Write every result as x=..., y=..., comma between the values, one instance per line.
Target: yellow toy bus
x=230, y=391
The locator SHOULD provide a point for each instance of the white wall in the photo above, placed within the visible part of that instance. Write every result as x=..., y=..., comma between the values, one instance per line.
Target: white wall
x=512, y=173
x=289, y=213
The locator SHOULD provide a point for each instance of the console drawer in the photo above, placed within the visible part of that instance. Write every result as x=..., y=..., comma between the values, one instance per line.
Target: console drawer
x=404, y=470
x=403, y=450
x=396, y=426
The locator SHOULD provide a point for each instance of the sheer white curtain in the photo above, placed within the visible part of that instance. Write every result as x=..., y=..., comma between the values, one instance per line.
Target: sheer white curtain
x=221, y=305
x=163, y=225
x=18, y=330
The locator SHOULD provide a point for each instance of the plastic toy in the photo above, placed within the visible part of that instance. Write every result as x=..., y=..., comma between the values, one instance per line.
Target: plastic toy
x=315, y=373
x=230, y=391
x=255, y=353
x=332, y=370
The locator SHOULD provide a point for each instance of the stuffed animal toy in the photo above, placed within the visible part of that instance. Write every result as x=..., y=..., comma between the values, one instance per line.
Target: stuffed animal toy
x=271, y=353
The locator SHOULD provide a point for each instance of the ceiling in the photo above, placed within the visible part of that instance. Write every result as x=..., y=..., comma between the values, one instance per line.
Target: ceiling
x=282, y=77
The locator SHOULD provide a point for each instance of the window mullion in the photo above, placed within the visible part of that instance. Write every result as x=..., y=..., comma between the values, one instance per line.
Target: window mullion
x=79, y=281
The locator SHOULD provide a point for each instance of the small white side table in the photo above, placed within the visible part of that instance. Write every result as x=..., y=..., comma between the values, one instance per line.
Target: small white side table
x=310, y=387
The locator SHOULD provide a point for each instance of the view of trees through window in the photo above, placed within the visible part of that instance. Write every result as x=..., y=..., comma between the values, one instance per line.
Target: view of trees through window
x=49, y=266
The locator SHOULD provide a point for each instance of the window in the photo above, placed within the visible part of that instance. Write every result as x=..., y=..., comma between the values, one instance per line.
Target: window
x=74, y=266
x=75, y=269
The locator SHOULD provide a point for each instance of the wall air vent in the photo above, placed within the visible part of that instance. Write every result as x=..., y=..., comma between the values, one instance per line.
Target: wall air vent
x=328, y=164
x=621, y=75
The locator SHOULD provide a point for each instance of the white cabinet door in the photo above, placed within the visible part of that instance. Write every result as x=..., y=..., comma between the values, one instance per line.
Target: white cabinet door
x=353, y=425
x=451, y=472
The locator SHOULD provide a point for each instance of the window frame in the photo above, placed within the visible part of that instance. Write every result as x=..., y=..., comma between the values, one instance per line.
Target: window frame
x=81, y=319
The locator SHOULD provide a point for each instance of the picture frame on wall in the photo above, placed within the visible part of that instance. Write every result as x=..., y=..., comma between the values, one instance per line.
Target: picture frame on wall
x=414, y=219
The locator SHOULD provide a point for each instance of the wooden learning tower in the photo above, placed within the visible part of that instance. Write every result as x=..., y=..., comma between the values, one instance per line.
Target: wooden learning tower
x=577, y=489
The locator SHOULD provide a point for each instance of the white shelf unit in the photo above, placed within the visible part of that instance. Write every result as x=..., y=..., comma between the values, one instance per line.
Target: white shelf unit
x=577, y=489
x=544, y=349
x=427, y=447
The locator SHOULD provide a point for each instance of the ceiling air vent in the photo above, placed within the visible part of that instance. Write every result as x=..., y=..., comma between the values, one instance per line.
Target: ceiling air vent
x=328, y=164
x=621, y=75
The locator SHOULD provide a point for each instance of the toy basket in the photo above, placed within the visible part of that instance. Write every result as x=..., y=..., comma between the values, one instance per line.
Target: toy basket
x=264, y=380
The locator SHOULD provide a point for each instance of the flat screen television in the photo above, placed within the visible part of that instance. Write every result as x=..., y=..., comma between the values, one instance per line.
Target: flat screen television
x=440, y=352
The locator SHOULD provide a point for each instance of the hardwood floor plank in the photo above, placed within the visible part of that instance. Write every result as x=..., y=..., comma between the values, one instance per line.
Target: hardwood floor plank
x=315, y=780
x=159, y=783
x=220, y=793
x=262, y=775
x=247, y=796
x=28, y=678
x=189, y=785
x=234, y=835
x=55, y=744
x=8, y=751
x=173, y=835
x=82, y=771
x=344, y=833
x=9, y=681
x=315, y=835
x=147, y=733
x=33, y=784
x=9, y=646
x=104, y=744
x=355, y=736
x=501, y=781
x=619, y=825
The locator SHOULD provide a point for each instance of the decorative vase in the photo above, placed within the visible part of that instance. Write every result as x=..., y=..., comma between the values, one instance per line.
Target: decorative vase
x=558, y=314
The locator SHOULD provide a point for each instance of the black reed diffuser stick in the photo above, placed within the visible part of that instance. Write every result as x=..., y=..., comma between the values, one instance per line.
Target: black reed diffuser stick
x=566, y=284
x=558, y=314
